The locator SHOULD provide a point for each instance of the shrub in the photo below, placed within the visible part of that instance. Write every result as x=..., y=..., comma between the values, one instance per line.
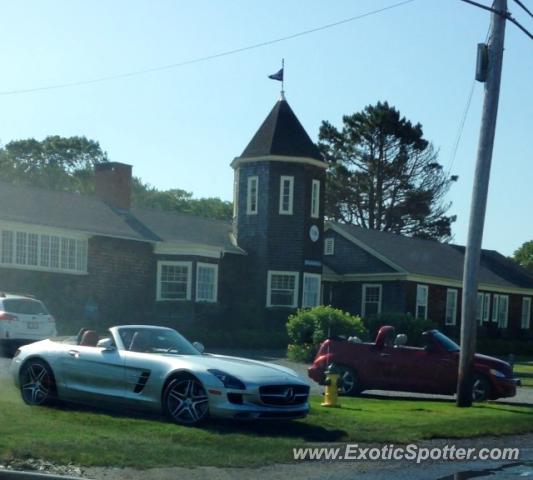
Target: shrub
x=504, y=347
x=308, y=328
x=301, y=353
x=412, y=327
x=243, y=339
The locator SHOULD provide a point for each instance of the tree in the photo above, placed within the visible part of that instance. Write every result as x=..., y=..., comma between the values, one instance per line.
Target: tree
x=178, y=200
x=384, y=175
x=67, y=164
x=56, y=163
x=524, y=255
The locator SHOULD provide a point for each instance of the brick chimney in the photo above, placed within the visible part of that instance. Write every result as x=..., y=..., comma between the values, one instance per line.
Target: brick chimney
x=112, y=181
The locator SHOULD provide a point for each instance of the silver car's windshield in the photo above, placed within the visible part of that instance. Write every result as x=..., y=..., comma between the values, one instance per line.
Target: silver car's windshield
x=155, y=340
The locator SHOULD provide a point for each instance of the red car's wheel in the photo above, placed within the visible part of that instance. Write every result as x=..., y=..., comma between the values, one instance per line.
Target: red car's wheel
x=480, y=389
x=348, y=381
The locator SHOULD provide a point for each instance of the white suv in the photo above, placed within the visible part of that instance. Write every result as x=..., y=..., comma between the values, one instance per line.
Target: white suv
x=23, y=320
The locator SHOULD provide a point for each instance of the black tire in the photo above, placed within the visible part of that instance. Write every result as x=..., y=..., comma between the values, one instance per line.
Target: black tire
x=349, y=384
x=37, y=383
x=480, y=388
x=185, y=400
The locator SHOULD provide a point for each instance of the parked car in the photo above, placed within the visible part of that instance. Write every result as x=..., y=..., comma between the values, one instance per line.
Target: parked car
x=155, y=368
x=23, y=320
x=389, y=364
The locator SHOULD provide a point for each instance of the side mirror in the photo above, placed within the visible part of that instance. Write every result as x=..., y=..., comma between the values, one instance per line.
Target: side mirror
x=199, y=346
x=107, y=344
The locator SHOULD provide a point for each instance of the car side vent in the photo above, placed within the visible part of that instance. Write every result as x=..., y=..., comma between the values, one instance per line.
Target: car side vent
x=141, y=383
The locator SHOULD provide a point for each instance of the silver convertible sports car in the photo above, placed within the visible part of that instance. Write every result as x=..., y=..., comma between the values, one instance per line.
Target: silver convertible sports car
x=155, y=368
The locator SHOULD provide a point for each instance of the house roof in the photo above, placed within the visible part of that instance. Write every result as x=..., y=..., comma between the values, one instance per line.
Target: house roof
x=90, y=215
x=281, y=134
x=39, y=206
x=187, y=229
x=431, y=258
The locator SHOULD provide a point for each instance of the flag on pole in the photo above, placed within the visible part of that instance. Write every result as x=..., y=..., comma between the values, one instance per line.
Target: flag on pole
x=277, y=76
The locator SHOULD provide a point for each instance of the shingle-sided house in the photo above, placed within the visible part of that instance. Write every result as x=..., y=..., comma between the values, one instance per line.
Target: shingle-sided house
x=99, y=260
x=371, y=272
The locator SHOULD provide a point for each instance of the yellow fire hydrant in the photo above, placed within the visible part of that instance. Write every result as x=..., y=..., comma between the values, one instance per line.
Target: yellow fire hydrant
x=331, y=397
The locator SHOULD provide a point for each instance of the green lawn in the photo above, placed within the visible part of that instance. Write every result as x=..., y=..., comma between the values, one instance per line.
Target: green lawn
x=524, y=371
x=85, y=437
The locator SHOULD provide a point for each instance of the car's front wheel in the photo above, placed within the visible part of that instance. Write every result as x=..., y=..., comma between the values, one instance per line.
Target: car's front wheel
x=185, y=400
x=37, y=383
x=480, y=389
x=348, y=381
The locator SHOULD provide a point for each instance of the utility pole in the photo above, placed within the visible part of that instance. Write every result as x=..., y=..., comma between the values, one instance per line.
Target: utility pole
x=479, y=203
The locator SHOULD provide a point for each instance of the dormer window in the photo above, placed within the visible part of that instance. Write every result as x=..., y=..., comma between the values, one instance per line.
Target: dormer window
x=286, y=192
x=252, y=196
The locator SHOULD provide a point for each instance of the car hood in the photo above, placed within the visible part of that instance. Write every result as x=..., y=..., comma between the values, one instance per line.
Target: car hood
x=246, y=369
x=492, y=362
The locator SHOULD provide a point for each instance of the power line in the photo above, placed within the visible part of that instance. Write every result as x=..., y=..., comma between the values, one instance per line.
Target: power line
x=513, y=20
x=506, y=15
x=207, y=57
x=461, y=126
x=459, y=134
x=524, y=7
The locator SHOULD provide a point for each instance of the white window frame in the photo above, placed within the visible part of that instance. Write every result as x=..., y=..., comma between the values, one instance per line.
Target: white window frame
x=451, y=293
x=364, y=288
x=211, y=266
x=305, y=304
x=249, y=203
x=315, y=199
x=495, y=307
x=503, y=316
x=296, y=276
x=525, y=318
x=479, y=307
x=329, y=246
x=235, y=193
x=486, y=307
x=283, y=179
x=31, y=249
x=418, y=304
x=173, y=263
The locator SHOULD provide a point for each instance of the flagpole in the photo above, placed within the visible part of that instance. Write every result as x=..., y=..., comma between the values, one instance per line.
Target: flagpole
x=283, y=77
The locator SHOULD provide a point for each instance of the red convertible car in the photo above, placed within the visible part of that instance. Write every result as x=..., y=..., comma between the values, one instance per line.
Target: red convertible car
x=388, y=364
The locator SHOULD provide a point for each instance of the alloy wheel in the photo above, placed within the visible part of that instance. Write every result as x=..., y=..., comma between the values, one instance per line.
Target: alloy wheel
x=36, y=383
x=348, y=383
x=479, y=390
x=186, y=401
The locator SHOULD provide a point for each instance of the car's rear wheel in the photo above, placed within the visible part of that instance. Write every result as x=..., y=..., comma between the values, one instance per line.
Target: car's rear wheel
x=480, y=389
x=185, y=400
x=348, y=381
x=37, y=384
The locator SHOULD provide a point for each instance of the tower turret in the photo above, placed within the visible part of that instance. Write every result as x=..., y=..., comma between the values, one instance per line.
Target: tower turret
x=279, y=210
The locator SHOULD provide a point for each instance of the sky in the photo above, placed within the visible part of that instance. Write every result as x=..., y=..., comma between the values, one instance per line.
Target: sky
x=181, y=127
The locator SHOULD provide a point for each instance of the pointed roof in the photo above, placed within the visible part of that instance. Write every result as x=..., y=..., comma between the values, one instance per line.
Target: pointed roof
x=282, y=134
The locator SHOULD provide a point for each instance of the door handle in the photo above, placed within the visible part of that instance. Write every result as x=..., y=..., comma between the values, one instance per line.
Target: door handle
x=385, y=354
x=74, y=353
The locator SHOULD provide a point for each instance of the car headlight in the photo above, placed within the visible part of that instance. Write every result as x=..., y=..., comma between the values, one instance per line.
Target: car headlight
x=228, y=380
x=497, y=373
